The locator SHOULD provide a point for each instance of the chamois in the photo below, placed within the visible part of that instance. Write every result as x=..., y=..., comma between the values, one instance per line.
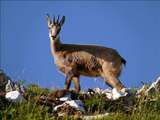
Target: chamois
x=88, y=60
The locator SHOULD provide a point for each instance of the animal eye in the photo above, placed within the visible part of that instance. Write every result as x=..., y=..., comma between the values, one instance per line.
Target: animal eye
x=59, y=29
x=49, y=27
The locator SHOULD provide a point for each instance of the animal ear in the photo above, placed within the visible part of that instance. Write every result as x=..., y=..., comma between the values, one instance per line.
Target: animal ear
x=48, y=19
x=62, y=21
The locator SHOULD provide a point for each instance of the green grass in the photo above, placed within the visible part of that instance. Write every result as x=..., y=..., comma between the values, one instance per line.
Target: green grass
x=143, y=110
x=30, y=109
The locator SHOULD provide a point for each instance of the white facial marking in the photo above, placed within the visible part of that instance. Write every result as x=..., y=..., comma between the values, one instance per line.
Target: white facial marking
x=54, y=31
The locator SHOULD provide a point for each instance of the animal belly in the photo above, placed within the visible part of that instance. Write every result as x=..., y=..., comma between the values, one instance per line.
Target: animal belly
x=84, y=72
x=92, y=69
x=90, y=74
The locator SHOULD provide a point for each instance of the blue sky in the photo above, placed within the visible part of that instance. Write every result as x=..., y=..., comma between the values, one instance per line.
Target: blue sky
x=133, y=28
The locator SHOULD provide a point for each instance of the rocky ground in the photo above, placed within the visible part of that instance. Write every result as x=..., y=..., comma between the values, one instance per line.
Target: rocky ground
x=33, y=102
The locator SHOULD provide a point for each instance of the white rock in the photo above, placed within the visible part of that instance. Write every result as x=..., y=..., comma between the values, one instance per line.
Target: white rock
x=116, y=94
x=108, y=93
x=142, y=90
x=73, y=103
x=9, y=86
x=156, y=84
x=65, y=97
x=98, y=90
x=14, y=96
x=154, y=87
x=111, y=94
x=58, y=106
x=76, y=104
x=146, y=89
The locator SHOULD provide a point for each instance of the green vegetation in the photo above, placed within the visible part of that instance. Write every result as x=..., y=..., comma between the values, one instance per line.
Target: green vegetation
x=144, y=109
x=30, y=109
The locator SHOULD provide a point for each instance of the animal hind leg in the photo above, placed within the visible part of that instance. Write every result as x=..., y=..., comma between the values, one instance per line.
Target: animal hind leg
x=111, y=74
x=113, y=82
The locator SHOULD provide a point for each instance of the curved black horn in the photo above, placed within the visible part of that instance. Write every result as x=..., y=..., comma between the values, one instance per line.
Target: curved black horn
x=53, y=19
x=58, y=19
x=48, y=19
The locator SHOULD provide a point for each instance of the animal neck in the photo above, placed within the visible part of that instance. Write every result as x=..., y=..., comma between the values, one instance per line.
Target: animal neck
x=55, y=44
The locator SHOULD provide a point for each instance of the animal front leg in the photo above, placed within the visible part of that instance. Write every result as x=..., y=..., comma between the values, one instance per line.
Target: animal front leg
x=68, y=79
x=67, y=83
x=76, y=83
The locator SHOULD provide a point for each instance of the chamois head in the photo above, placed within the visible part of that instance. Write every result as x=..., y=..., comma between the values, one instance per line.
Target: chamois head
x=55, y=26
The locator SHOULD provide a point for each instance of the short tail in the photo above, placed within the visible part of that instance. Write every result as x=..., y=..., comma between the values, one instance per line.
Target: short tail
x=123, y=61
